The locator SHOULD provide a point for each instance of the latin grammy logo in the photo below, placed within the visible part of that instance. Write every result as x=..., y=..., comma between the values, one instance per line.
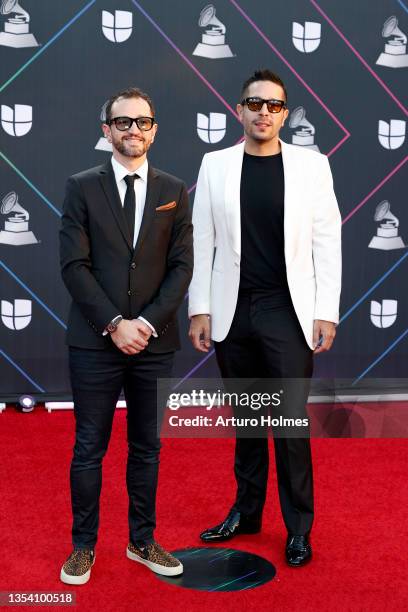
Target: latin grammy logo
x=103, y=144
x=305, y=131
x=387, y=238
x=212, y=43
x=16, y=29
x=16, y=230
x=395, y=51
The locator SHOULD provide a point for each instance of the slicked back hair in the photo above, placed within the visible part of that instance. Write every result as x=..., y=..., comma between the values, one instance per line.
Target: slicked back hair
x=263, y=75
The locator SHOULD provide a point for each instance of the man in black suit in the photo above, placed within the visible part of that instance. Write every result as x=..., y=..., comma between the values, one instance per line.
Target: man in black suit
x=126, y=260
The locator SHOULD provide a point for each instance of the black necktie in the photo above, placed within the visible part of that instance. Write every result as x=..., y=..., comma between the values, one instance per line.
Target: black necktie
x=129, y=204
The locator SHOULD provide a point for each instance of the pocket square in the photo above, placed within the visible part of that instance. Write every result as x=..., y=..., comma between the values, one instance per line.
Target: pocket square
x=167, y=206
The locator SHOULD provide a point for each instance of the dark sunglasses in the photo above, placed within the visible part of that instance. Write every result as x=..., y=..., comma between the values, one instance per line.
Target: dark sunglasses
x=255, y=104
x=125, y=123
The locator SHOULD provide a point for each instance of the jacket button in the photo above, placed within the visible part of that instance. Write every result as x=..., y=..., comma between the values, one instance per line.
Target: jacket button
x=133, y=265
x=129, y=292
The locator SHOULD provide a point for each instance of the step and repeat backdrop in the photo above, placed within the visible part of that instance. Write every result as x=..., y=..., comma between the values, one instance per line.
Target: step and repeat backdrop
x=345, y=65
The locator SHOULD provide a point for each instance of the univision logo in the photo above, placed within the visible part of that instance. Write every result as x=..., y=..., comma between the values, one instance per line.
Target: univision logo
x=306, y=38
x=117, y=27
x=384, y=314
x=17, y=121
x=391, y=135
x=17, y=315
x=211, y=129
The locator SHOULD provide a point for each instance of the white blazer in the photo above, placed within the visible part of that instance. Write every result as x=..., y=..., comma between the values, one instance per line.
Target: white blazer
x=312, y=231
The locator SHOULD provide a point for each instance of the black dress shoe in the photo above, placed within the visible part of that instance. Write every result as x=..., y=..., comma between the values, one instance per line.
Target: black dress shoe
x=298, y=550
x=234, y=524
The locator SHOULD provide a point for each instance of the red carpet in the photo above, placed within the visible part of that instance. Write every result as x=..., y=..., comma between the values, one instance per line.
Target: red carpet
x=359, y=538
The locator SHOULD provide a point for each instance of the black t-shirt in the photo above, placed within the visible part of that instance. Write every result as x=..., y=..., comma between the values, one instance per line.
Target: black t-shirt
x=262, y=235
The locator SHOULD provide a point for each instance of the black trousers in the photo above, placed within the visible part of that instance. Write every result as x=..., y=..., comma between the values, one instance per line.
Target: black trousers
x=97, y=379
x=266, y=340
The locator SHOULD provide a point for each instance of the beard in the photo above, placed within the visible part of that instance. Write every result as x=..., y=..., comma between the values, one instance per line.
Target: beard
x=130, y=147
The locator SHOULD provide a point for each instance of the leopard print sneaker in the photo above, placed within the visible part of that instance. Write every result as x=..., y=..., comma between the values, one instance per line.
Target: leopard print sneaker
x=77, y=568
x=155, y=558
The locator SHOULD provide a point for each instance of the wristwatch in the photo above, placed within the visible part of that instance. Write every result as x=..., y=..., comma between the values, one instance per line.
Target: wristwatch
x=112, y=326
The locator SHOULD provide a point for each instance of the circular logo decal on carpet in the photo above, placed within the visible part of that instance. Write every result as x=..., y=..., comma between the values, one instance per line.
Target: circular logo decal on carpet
x=220, y=569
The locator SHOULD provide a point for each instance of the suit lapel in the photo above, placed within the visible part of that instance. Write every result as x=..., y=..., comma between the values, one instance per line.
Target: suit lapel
x=232, y=196
x=152, y=198
x=109, y=186
x=292, y=198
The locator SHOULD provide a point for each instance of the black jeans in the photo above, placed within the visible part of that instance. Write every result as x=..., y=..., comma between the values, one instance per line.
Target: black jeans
x=266, y=340
x=97, y=379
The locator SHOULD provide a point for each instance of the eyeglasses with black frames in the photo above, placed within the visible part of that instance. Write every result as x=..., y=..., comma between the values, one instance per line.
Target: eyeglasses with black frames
x=125, y=123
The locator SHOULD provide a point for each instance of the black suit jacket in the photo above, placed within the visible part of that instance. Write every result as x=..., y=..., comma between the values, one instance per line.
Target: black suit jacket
x=106, y=276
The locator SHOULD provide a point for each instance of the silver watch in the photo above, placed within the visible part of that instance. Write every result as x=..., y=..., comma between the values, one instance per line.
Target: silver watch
x=112, y=326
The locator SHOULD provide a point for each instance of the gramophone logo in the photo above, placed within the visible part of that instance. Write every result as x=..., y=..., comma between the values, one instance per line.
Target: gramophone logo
x=212, y=43
x=304, y=134
x=16, y=230
x=306, y=38
x=395, y=50
x=387, y=238
x=17, y=121
x=385, y=314
x=16, y=27
x=391, y=135
x=211, y=129
x=117, y=27
x=103, y=144
x=17, y=315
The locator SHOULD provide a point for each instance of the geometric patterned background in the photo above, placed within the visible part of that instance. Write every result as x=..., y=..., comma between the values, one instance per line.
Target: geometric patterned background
x=77, y=65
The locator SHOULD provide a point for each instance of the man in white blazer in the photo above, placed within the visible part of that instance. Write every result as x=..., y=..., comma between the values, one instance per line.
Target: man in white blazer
x=269, y=297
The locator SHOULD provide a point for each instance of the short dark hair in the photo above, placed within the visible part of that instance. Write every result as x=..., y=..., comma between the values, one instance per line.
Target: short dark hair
x=130, y=92
x=263, y=75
